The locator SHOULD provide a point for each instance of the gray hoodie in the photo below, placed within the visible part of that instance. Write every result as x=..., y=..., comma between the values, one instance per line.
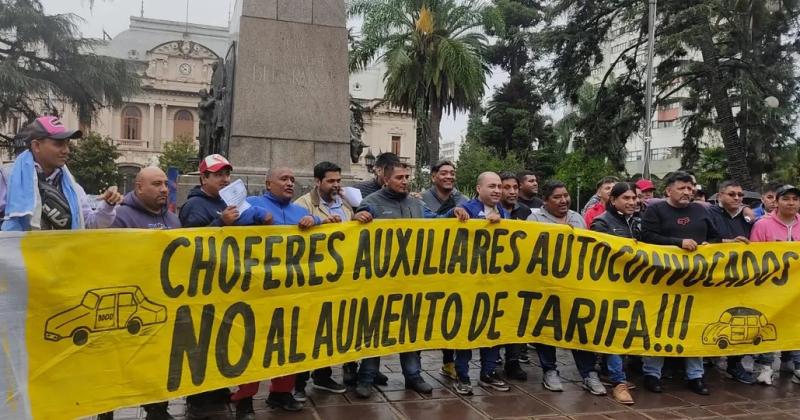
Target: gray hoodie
x=132, y=214
x=541, y=215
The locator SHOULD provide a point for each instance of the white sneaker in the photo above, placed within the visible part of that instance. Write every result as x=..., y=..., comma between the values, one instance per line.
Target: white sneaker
x=552, y=382
x=593, y=385
x=796, y=377
x=765, y=374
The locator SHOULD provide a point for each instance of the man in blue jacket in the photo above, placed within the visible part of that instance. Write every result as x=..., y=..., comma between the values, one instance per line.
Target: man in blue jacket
x=486, y=206
x=274, y=207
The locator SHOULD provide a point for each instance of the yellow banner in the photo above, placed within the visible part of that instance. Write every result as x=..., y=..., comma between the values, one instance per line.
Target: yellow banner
x=118, y=318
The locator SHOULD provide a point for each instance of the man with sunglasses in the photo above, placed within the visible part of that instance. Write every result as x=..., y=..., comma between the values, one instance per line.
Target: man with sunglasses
x=734, y=223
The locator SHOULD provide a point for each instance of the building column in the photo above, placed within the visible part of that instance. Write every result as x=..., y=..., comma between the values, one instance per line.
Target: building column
x=163, y=124
x=151, y=136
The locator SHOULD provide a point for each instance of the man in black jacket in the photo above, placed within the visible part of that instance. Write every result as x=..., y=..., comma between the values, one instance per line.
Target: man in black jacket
x=371, y=185
x=677, y=221
x=205, y=207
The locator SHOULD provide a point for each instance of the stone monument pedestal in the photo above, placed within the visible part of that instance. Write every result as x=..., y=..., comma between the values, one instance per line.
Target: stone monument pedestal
x=290, y=104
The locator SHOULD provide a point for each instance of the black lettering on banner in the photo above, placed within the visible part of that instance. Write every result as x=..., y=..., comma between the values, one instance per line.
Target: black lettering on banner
x=612, y=262
x=418, y=251
x=597, y=266
x=748, y=258
x=409, y=317
x=275, y=339
x=527, y=299
x=270, y=261
x=401, y=256
x=384, y=237
x=433, y=298
x=389, y=316
x=517, y=235
x=226, y=368
x=578, y=322
x=166, y=257
x=699, y=268
x=479, y=246
x=662, y=309
x=550, y=317
x=249, y=261
x=601, y=322
x=709, y=281
x=324, y=333
x=229, y=246
x=443, y=252
x=481, y=309
x=789, y=255
x=314, y=257
x=295, y=248
x=731, y=270
x=657, y=269
x=687, y=314
x=638, y=328
x=497, y=249
x=460, y=252
x=194, y=346
x=337, y=258
x=450, y=332
x=493, y=334
x=584, y=241
x=363, y=258
x=680, y=268
x=199, y=264
x=539, y=255
x=294, y=355
x=632, y=269
x=565, y=251
x=344, y=336
x=427, y=267
x=768, y=258
x=616, y=323
x=369, y=325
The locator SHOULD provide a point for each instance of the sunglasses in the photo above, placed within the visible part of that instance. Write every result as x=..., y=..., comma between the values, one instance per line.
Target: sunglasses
x=734, y=194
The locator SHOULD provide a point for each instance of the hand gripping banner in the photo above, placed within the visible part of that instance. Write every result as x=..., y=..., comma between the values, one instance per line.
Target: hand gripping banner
x=96, y=320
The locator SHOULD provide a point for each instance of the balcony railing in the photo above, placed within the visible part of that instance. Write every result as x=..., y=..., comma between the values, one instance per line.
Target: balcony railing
x=133, y=143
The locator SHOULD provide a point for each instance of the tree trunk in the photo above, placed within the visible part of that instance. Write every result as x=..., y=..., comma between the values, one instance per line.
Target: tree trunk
x=433, y=135
x=735, y=149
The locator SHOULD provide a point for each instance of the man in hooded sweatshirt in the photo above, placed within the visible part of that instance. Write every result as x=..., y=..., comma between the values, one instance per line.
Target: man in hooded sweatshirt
x=205, y=207
x=146, y=208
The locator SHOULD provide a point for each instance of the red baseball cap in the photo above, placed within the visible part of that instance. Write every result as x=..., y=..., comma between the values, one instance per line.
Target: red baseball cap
x=214, y=163
x=645, y=185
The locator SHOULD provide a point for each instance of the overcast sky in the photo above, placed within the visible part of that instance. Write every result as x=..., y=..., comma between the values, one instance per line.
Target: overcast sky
x=113, y=17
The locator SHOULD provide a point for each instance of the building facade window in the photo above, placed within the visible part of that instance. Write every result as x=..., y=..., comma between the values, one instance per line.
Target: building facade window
x=183, y=125
x=131, y=123
x=396, y=145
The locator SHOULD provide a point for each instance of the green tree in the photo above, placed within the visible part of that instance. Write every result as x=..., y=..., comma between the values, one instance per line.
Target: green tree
x=180, y=153
x=721, y=58
x=93, y=163
x=787, y=169
x=579, y=169
x=44, y=58
x=475, y=158
x=434, y=56
x=711, y=168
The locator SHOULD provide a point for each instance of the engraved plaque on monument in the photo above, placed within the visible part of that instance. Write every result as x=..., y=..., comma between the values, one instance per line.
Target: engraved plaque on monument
x=290, y=86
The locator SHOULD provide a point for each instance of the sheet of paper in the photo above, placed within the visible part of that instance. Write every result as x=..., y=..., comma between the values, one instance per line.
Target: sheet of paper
x=352, y=196
x=235, y=194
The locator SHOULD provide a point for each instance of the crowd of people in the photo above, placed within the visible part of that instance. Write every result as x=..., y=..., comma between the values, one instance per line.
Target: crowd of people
x=39, y=193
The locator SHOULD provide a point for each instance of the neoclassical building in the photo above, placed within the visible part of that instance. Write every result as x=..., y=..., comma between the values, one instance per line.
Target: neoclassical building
x=176, y=61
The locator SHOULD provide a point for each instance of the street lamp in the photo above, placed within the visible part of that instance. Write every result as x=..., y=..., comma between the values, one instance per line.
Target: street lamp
x=369, y=160
x=578, y=205
x=648, y=110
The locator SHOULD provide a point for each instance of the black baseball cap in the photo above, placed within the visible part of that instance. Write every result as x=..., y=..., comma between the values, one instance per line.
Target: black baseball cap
x=786, y=189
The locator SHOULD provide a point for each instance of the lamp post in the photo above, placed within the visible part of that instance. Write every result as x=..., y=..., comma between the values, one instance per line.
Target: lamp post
x=648, y=109
x=578, y=203
x=369, y=160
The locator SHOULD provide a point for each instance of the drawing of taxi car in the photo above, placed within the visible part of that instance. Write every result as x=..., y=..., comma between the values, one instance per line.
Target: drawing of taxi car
x=105, y=309
x=739, y=325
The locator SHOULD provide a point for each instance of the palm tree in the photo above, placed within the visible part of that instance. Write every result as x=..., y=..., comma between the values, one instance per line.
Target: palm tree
x=434, y=56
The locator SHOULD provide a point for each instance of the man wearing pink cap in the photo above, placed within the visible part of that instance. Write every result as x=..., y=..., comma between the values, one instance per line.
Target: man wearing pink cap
x=40, y=192
x=205, y=207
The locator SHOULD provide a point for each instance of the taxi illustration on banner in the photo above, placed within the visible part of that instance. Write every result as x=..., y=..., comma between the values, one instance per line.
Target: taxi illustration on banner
x=739, y=325
x=105, y=309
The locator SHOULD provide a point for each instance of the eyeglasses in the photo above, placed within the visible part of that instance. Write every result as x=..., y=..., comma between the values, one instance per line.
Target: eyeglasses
x=734, y=194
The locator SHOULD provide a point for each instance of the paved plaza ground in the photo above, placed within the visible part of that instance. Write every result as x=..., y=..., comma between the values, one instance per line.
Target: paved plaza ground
x=528, y=400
